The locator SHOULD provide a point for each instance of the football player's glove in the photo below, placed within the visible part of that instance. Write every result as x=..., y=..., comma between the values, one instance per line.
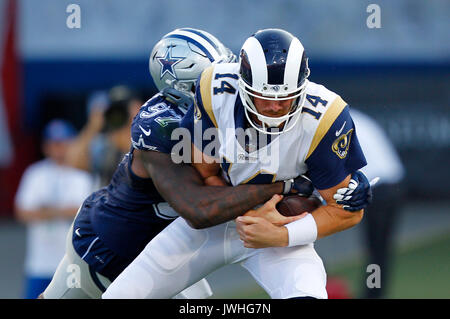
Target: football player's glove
x=300, y=185
x=358, y=194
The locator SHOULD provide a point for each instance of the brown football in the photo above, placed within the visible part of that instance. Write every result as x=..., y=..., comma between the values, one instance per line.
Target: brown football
x=293, y=205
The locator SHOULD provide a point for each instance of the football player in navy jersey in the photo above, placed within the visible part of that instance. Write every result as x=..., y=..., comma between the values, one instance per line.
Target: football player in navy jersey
x=115, y=223
x=317, y=138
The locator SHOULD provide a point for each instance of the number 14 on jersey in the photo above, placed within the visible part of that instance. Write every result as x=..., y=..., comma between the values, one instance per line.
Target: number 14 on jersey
x=314, y=100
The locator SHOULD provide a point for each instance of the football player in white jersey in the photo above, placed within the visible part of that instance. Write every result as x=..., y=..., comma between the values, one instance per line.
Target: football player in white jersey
x=307, y=129
x=133, y=205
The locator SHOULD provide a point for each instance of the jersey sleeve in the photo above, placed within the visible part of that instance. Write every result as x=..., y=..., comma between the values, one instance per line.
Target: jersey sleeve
x=335, y=151
x=200, y=119
x=152, y=127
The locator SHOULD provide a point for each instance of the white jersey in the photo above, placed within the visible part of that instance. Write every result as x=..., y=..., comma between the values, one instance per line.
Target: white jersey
x=46, y=184
x=323, y=144
x=285, y=155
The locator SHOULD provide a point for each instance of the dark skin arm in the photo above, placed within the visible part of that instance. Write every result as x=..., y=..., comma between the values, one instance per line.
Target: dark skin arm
x=184, y=189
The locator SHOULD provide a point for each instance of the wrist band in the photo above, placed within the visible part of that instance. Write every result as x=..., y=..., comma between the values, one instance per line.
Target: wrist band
x=287, y=186
x=302, y=231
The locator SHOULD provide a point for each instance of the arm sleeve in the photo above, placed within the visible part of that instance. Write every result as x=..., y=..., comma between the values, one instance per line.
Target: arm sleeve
x=337, y=155
x=152, y=127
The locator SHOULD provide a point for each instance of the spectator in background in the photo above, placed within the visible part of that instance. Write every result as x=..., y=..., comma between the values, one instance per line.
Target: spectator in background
x=47, y=200
x=106, y=137
x=381, y=216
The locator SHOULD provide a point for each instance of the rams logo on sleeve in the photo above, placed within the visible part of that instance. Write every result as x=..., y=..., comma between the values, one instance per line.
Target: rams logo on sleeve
x=197, y=112
x=341, y=144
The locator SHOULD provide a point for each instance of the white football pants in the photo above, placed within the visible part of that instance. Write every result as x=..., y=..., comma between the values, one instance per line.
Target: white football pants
x=180, y=256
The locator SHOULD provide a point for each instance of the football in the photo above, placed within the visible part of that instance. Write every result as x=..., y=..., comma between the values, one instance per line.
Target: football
x=293, y=205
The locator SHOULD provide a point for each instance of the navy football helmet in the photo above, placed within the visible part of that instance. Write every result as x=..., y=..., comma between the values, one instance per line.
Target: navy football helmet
x=273, y=66
x=180, y=56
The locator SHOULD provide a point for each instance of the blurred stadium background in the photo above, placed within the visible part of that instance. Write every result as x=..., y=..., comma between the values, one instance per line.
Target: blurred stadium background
x=399, y=74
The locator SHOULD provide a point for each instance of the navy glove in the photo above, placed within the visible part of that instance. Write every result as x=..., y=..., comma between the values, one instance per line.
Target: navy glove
x=300, y=185
x=358, y=194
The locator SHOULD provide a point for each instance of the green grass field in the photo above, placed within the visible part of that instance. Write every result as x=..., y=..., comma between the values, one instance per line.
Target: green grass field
x=418, y=271
x=421, y=270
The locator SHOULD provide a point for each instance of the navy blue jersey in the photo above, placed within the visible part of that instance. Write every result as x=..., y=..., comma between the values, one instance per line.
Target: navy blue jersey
x=116, y=222
x=152, y=127
x=337, y=155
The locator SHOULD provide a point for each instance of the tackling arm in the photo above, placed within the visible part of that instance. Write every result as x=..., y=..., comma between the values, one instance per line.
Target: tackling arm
x=202, y=206
x=208, y=168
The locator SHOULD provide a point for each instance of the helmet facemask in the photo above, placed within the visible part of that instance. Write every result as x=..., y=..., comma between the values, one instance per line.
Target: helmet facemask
x=267, y=123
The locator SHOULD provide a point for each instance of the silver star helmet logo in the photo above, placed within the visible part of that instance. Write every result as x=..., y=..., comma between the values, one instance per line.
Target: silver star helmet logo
x=168, y=62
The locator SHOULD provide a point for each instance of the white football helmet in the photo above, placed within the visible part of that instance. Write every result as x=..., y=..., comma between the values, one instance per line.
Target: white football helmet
x=273, y=66
x=180, y=56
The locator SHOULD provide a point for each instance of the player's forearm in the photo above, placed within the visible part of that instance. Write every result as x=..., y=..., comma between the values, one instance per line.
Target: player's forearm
x=330, y=220
x=235, y=201
x=322, y=222
x=203, y=206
